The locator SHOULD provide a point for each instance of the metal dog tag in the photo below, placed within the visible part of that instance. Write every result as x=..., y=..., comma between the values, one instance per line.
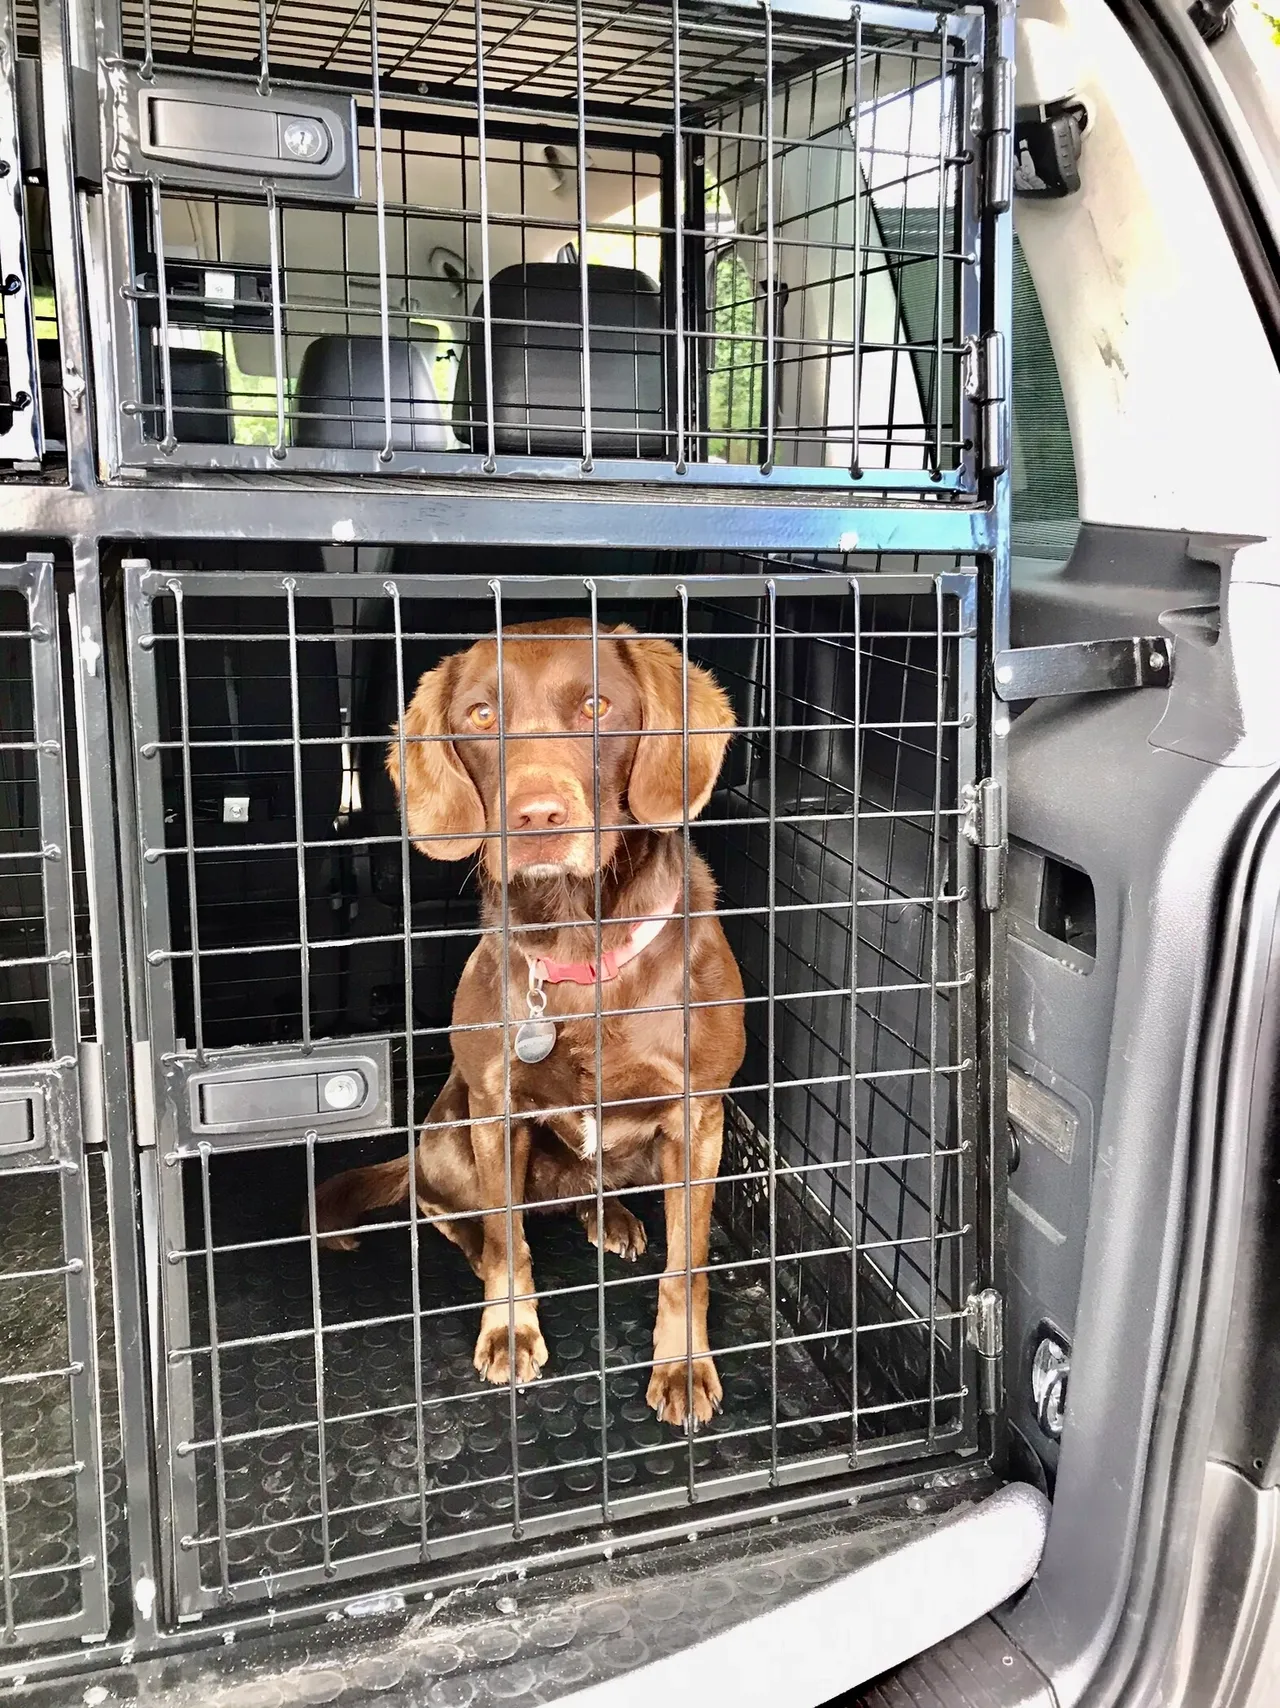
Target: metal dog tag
x=535, y=1037
x=535, y=1040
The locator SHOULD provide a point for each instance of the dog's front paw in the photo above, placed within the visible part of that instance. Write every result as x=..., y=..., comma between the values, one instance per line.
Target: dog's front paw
x=493, y=1348
x=624, y=1233
x=669, y=1392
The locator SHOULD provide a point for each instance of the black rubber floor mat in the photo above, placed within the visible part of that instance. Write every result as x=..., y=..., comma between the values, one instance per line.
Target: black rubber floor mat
x=43, y=1552
x=37, y=1495
x=518, y=1639
x=977, y=1668
x=323, y=1452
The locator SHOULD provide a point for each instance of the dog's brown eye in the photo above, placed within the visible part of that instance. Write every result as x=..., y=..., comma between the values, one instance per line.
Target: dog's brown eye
x=482, y=716
x=595, y=706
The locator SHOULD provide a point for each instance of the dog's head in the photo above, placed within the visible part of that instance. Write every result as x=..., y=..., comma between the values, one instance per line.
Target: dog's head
x=638, y=703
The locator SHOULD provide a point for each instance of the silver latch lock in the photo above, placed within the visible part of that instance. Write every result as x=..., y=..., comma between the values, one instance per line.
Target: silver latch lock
x=342, y=1090
x=268, y=1096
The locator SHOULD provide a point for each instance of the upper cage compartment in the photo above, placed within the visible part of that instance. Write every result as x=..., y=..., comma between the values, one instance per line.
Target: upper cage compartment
x=777, y=291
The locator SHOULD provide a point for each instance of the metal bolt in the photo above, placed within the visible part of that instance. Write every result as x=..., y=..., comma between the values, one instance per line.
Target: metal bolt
x=1050, y=1369
x=1157, y=661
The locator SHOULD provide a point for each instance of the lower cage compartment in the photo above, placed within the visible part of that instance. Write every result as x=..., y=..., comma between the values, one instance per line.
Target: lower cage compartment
x=320, y=1414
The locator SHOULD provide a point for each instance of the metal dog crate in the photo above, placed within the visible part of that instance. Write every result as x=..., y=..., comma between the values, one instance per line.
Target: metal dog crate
x=683, y=313
x=318, y=1412
x=360, y=240
x=52, y=1527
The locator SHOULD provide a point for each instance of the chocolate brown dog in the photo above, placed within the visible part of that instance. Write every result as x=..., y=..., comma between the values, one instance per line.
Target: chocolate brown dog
x=555, y=712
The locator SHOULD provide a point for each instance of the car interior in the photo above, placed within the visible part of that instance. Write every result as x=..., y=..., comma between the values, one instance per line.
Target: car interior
x=336, y=342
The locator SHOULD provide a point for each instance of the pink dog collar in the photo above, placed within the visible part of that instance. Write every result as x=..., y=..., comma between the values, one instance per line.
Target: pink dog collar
x=612, y=960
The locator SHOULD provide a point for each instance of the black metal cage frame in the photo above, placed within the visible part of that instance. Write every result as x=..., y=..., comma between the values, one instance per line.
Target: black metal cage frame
x=755, y=333
x=858, y=1231
x=890, y=1214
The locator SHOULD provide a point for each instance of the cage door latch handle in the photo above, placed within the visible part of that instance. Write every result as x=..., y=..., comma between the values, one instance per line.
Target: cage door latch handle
x=985, y=826
x=985, y=1312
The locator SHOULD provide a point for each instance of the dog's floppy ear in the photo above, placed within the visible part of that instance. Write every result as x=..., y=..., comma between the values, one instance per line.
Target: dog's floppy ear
x=655, y=792
x=440, y=798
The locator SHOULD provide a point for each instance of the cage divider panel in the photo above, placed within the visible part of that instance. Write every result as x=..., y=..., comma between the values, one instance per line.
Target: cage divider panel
x=317, y=1414
x=817, y=255
x=52, y=1529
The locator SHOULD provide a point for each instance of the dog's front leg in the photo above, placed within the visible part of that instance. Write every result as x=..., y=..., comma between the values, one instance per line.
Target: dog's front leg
x=510, y=1341
x=682, y=1304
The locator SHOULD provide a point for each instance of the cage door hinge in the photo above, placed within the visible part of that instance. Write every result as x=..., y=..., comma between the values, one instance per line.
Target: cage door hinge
x=985, y=825
x=93, y=1121
x=997, y=178
x=985, y=1313
x=986, y=384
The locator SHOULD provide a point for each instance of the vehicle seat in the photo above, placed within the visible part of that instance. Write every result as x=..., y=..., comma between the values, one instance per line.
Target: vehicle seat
x=201, y=397
x=536, y=334
x=340, y=401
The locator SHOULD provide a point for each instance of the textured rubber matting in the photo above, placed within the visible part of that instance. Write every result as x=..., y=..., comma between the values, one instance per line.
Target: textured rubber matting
x=41, y=1523
x=39, y=1498
x=977, y=1668
x=379, y=1483
x=533, y=1638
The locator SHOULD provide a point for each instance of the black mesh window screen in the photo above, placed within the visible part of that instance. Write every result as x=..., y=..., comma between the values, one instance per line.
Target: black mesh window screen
x=52, y=1572
x=371, y=237
x=327, y=1412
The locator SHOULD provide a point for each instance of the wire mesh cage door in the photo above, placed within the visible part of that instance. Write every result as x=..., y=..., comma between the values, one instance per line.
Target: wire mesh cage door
x=325, y=1413
x=715, y=244
x=52, y=1535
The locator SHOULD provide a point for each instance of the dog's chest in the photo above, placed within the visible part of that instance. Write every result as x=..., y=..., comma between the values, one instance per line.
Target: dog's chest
x=639, y=1073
